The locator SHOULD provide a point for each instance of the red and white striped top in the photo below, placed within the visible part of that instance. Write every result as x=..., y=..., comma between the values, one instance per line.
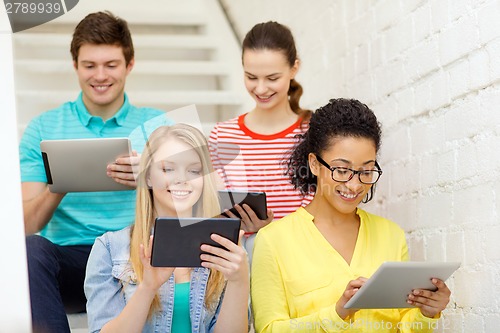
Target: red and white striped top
x=248, y=161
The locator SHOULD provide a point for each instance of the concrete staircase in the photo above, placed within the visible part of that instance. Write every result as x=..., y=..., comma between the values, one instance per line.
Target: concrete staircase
x=186, y=54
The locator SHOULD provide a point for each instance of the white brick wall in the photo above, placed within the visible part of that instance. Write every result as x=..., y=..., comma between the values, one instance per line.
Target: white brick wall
x=430, y=69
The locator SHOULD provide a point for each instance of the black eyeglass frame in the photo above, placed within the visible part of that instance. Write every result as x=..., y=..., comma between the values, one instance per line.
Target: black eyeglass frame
x=353, y=172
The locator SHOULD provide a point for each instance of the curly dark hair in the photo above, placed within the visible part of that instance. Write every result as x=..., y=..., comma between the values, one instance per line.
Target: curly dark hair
x=339, y=118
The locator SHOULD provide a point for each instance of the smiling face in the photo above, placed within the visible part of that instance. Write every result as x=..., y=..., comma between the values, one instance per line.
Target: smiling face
x=176, y=178
x=349, y=152
x=102, y=73
x=267, y=77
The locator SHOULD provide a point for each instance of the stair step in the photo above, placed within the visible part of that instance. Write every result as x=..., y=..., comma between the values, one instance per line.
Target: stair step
x=213, y=97
x=158, y=27
x=140, y=40
x=142, y=67
x=54, y=46
x=167, y=12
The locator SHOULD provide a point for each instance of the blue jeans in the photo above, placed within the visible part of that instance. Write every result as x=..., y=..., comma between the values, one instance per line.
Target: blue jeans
x=56, y=274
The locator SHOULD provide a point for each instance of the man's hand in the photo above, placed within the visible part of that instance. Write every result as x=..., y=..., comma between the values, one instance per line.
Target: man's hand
x=124, y=169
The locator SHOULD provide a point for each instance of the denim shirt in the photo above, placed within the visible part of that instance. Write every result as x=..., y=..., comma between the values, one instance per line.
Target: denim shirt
x=110, y=282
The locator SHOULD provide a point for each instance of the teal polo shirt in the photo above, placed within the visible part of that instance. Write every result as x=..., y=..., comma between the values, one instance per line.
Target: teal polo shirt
x=83, y=216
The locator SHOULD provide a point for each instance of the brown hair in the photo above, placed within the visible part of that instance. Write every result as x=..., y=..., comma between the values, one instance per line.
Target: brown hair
x=102, y=28
x=278, y=37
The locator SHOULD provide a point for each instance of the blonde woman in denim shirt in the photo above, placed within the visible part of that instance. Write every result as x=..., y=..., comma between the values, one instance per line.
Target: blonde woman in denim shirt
x=126, y=294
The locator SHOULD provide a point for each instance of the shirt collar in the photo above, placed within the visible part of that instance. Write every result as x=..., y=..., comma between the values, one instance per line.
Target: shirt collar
x=85, y=116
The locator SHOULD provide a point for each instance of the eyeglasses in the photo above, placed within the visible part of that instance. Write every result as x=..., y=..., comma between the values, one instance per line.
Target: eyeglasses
x=343, y=175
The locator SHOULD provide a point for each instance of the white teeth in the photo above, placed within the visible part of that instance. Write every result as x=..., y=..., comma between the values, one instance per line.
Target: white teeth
x=180, y=193
x=102, y=88
x=348, y=196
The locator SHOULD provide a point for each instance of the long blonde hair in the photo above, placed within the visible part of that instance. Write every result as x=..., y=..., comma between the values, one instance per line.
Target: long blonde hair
x=207, y=205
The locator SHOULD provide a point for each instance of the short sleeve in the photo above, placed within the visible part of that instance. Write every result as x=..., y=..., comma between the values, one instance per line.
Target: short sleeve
x=32, y=169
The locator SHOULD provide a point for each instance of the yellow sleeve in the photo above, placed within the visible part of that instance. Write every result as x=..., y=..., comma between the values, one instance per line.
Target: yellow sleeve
x=269, y=299
x=404, y=251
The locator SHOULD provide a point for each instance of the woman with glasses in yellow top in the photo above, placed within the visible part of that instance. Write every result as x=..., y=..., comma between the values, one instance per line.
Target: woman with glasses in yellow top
x=307, y=265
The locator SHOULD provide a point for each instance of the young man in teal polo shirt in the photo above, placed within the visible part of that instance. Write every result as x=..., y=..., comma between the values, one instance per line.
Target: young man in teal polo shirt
x=67, y=224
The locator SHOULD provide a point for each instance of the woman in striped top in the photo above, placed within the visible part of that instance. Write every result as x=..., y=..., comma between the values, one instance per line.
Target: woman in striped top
x=249, y=151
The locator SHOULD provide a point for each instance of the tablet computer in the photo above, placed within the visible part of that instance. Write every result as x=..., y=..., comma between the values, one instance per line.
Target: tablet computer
x=177, y=241
x=390, y=285
x=79, y=165
x=256, y=200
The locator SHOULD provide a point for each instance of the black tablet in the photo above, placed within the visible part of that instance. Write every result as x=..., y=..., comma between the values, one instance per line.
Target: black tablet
x=177, y=241
x=256, y=201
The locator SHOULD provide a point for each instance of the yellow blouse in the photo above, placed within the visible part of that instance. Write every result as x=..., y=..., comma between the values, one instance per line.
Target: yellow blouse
x=297, y=277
